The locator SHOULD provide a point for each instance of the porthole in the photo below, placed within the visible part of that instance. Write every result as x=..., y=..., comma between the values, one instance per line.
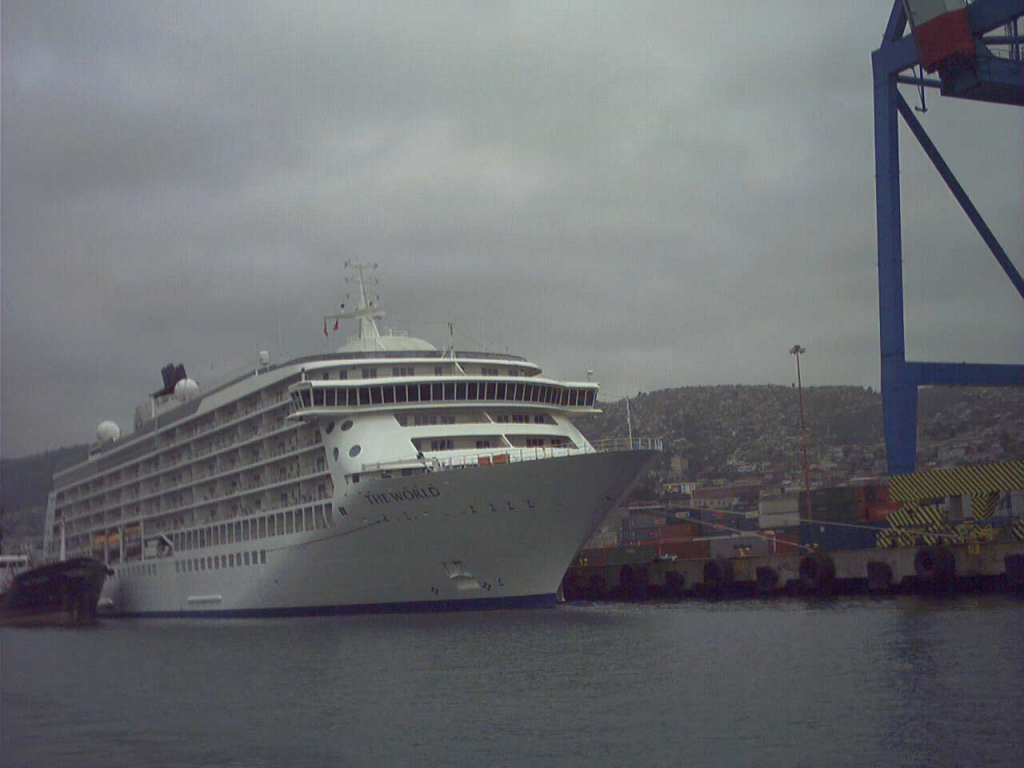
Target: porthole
x=346, y=425
x=354, y=451
x=329, y=428
x=335, y=454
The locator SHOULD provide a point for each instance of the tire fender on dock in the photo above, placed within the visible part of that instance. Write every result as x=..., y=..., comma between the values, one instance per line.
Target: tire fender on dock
x=767, y=580
x=879, y=576
x=718, y=574
x=934, y=564
x=817, y=571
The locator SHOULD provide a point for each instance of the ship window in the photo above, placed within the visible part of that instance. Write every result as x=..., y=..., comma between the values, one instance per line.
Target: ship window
x=306, y=400
x=263, y=527
x=216, y=563
x=280, y=523
x=539, y=419
x=353, y=397
x=438, y=370
x=354, y=451
x=355, y=477
x=402, y=419
x=318, y=397
x=460, y=391
x=346, y=425
x=231, y=560
x=400, y=393
x=437, y=392
x=329, y=428
x=490, y=390
x=389, y=394
x=369, y=373
x=291, y=522
x=483, y=443
x=519, y=393
x=342, y=375
x=298, y=521
x=216, y=536
x=263, y=557
x=442, y=445
x=414, y=393
x=238, y=531
x=336, y=454
x=473, y=390
x=223, y=561
x=502, y=390
x=376, y=395
x=246, y=558
x=308, y=514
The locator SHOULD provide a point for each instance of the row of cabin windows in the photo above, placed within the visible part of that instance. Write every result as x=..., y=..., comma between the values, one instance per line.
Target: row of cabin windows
x=447, y=444
x=521, y=418
x=433, y=419
x=405, y=370
x=312, y=518
x=215, y=563
x=447, y=391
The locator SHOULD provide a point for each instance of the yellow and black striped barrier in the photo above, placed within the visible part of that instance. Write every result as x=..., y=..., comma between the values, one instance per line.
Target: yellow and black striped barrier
x=974, y=479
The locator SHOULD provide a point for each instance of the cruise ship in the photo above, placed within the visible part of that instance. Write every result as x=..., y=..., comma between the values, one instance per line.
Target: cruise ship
x=389, y=475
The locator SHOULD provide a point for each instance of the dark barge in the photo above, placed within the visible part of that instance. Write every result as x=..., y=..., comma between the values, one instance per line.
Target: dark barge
x=64, y=593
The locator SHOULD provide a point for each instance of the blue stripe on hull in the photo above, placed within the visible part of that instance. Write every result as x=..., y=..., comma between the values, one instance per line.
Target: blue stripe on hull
x=426, y=606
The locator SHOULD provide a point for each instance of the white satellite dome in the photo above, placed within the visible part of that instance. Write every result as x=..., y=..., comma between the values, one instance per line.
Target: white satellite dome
x=186, y=389
x=107, y=431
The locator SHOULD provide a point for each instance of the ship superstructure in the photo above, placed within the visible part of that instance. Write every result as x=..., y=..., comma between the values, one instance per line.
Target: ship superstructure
x=386, y=475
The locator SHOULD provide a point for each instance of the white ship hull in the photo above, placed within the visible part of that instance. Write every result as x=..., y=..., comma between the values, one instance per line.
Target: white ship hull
x=479, y=537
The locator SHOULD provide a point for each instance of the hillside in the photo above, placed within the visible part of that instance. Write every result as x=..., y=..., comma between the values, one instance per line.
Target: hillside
x=713, y=428
x=716, y=432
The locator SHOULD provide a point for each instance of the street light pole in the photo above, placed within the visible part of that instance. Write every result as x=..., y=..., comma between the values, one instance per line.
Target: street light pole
x=798, y=350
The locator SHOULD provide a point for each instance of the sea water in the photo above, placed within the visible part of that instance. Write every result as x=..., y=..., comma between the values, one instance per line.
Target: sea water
x=849, y=682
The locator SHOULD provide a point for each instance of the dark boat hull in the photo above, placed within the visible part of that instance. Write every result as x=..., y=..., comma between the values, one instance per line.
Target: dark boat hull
x=57, y=594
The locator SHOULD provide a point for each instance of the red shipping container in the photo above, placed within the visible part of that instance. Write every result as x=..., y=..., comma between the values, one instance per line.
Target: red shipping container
x=787, y=543
x=686, y=550
x=679, y=531
x=882, y=510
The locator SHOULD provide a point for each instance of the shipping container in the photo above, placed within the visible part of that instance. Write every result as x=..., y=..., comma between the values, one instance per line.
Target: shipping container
x=685, y=550
x=832, y=538
x=881, y=510
x=779, y=505
x=679, y=531
x=739, y=546
x=779, y=541
x=640, y=553
x=782, y=520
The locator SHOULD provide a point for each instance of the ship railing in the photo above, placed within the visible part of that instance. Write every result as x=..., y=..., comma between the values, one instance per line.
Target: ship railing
x=628, y=444
x=514, y=455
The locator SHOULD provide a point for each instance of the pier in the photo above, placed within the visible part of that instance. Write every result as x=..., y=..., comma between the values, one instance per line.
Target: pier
x=991, y=567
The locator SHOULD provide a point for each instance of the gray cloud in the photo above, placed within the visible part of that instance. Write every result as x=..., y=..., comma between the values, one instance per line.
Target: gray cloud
x=666, y=194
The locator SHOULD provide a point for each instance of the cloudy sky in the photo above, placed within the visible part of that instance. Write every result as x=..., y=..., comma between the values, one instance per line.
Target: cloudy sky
x=669, y=194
